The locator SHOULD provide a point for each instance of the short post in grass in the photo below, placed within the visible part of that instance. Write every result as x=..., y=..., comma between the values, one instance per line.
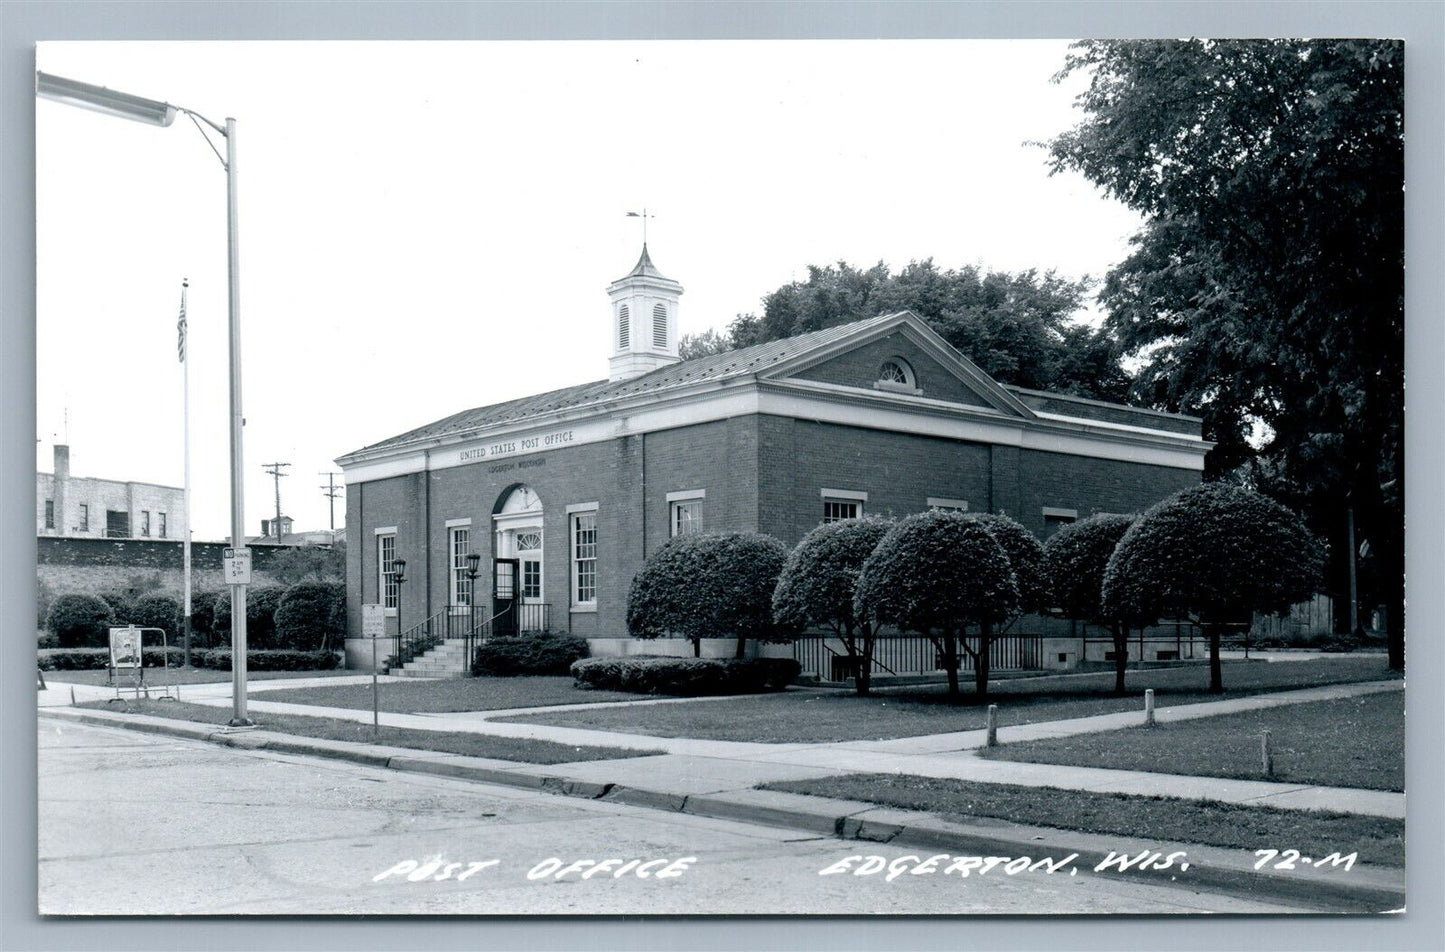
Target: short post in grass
x=992, y=725
x=1266, y=752
x=1149, y=707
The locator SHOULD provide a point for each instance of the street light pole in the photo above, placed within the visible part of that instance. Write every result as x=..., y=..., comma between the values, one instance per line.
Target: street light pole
x=238, y=516
x=156, y=113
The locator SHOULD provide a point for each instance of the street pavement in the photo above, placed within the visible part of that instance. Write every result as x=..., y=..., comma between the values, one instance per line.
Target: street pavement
x=134, y=824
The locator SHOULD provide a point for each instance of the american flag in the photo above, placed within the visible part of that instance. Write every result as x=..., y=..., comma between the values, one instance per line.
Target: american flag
x=181, y=325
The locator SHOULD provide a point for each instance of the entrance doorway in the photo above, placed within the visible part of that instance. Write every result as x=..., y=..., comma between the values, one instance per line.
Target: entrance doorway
x=518, y=569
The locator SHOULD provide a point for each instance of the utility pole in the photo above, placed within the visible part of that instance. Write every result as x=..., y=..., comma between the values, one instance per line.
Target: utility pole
x=275, y=470
x=331, y=491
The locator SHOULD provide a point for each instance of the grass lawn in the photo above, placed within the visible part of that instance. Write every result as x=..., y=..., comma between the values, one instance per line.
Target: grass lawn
x=157, y=676
x=471, y=745
x=816, y=717
x=458, y=694
x=1314, y=833
x=1349, y=742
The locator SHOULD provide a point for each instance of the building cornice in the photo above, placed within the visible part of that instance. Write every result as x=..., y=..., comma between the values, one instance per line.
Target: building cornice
x=709, y=401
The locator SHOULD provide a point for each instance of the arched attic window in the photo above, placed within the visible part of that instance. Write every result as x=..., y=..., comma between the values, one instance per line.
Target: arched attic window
x=659, y=326
x=624, y=329
x=896, y=374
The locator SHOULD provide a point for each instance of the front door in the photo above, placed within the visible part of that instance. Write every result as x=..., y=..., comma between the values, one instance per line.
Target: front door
x=504, y=596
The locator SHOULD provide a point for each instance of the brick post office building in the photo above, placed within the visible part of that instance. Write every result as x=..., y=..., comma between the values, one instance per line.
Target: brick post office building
x=563, y=495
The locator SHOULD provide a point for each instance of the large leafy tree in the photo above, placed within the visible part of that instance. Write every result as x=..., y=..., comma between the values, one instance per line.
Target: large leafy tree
x=1266, y=289
x=1075, y=558
x=1021, y=328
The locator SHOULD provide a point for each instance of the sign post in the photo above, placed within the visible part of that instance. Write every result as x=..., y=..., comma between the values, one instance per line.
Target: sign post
x=373, y=626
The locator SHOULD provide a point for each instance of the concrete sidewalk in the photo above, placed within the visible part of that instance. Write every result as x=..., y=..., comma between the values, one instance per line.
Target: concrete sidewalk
x=690, y=766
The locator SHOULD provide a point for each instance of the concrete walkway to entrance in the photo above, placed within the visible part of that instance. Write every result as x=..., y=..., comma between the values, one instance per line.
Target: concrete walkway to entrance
x=691, y=766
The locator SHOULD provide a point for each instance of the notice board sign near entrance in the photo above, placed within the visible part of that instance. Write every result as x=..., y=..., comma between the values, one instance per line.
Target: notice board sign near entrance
x=125, y=647
x=373, y=621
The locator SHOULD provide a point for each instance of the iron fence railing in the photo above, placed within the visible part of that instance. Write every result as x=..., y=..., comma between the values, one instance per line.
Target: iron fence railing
x=911, y=654
x=469, y=626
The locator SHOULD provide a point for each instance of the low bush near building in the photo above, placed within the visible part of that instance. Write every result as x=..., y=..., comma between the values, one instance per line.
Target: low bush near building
x=268, y=660
x=203, y=618
x=261, y=605
x=685, y=677
x=306, y=616
x=158, y=611
x=97, y=659
x=80, y=621
x=529, y=654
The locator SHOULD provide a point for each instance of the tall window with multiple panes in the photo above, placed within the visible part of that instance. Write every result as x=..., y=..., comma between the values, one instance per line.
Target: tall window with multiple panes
x=84, y=518
x=50, y=513
x=461, y=546
x=385, y=555
x=161, y=525
x=145, y=522
x=584, y=558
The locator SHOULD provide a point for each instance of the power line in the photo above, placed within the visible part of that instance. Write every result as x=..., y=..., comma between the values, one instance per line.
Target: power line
x=331, y=491
x=275, y=470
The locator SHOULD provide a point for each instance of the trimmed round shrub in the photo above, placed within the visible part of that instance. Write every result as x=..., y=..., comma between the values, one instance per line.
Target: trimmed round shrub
x=819, y=582
x=528, y=654
x=685, y=677
x=820, y=577
x=121, y=605
x=938, y=571
x=80, y=621
x=158, y=611
x=712, y=585
x=1025, y=555
x=1216, y=553
x=1075, y=558
x=261, y=603
x=306, y=616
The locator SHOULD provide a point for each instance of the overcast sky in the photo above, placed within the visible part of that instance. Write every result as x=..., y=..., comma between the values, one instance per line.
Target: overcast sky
x=428, y=227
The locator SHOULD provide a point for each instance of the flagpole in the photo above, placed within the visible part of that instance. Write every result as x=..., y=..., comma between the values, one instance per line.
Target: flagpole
x=186, y=453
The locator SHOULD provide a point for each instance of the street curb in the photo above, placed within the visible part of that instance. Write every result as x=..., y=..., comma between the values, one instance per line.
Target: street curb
x=1224, y=871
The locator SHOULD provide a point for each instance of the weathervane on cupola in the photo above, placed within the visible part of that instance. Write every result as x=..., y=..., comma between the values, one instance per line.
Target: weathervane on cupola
x=644, y=316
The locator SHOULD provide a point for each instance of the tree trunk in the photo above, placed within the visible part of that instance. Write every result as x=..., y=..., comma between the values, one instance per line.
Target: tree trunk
x=950, y=664
x=697, y=647
x=1121, y=654
x=980, y=661
x=742, y=647
x=1216, y=672
x=865, y=669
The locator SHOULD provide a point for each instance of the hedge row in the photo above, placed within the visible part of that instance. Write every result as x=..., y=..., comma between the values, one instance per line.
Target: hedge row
x=269, y=660
x=307, y=616
x=98, y=659
x=685, y=677
x=529, y=654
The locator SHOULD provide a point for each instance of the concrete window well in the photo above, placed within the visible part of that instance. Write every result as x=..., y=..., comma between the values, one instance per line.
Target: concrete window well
x=563, y=495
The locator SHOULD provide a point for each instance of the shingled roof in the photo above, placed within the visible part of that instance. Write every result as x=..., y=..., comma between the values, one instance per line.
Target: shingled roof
x=729, y=365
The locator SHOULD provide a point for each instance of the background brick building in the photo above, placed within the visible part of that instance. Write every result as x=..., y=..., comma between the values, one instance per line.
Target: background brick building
x=85, y=507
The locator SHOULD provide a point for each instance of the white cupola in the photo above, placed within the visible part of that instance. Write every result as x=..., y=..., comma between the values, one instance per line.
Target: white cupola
x=644, y=320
